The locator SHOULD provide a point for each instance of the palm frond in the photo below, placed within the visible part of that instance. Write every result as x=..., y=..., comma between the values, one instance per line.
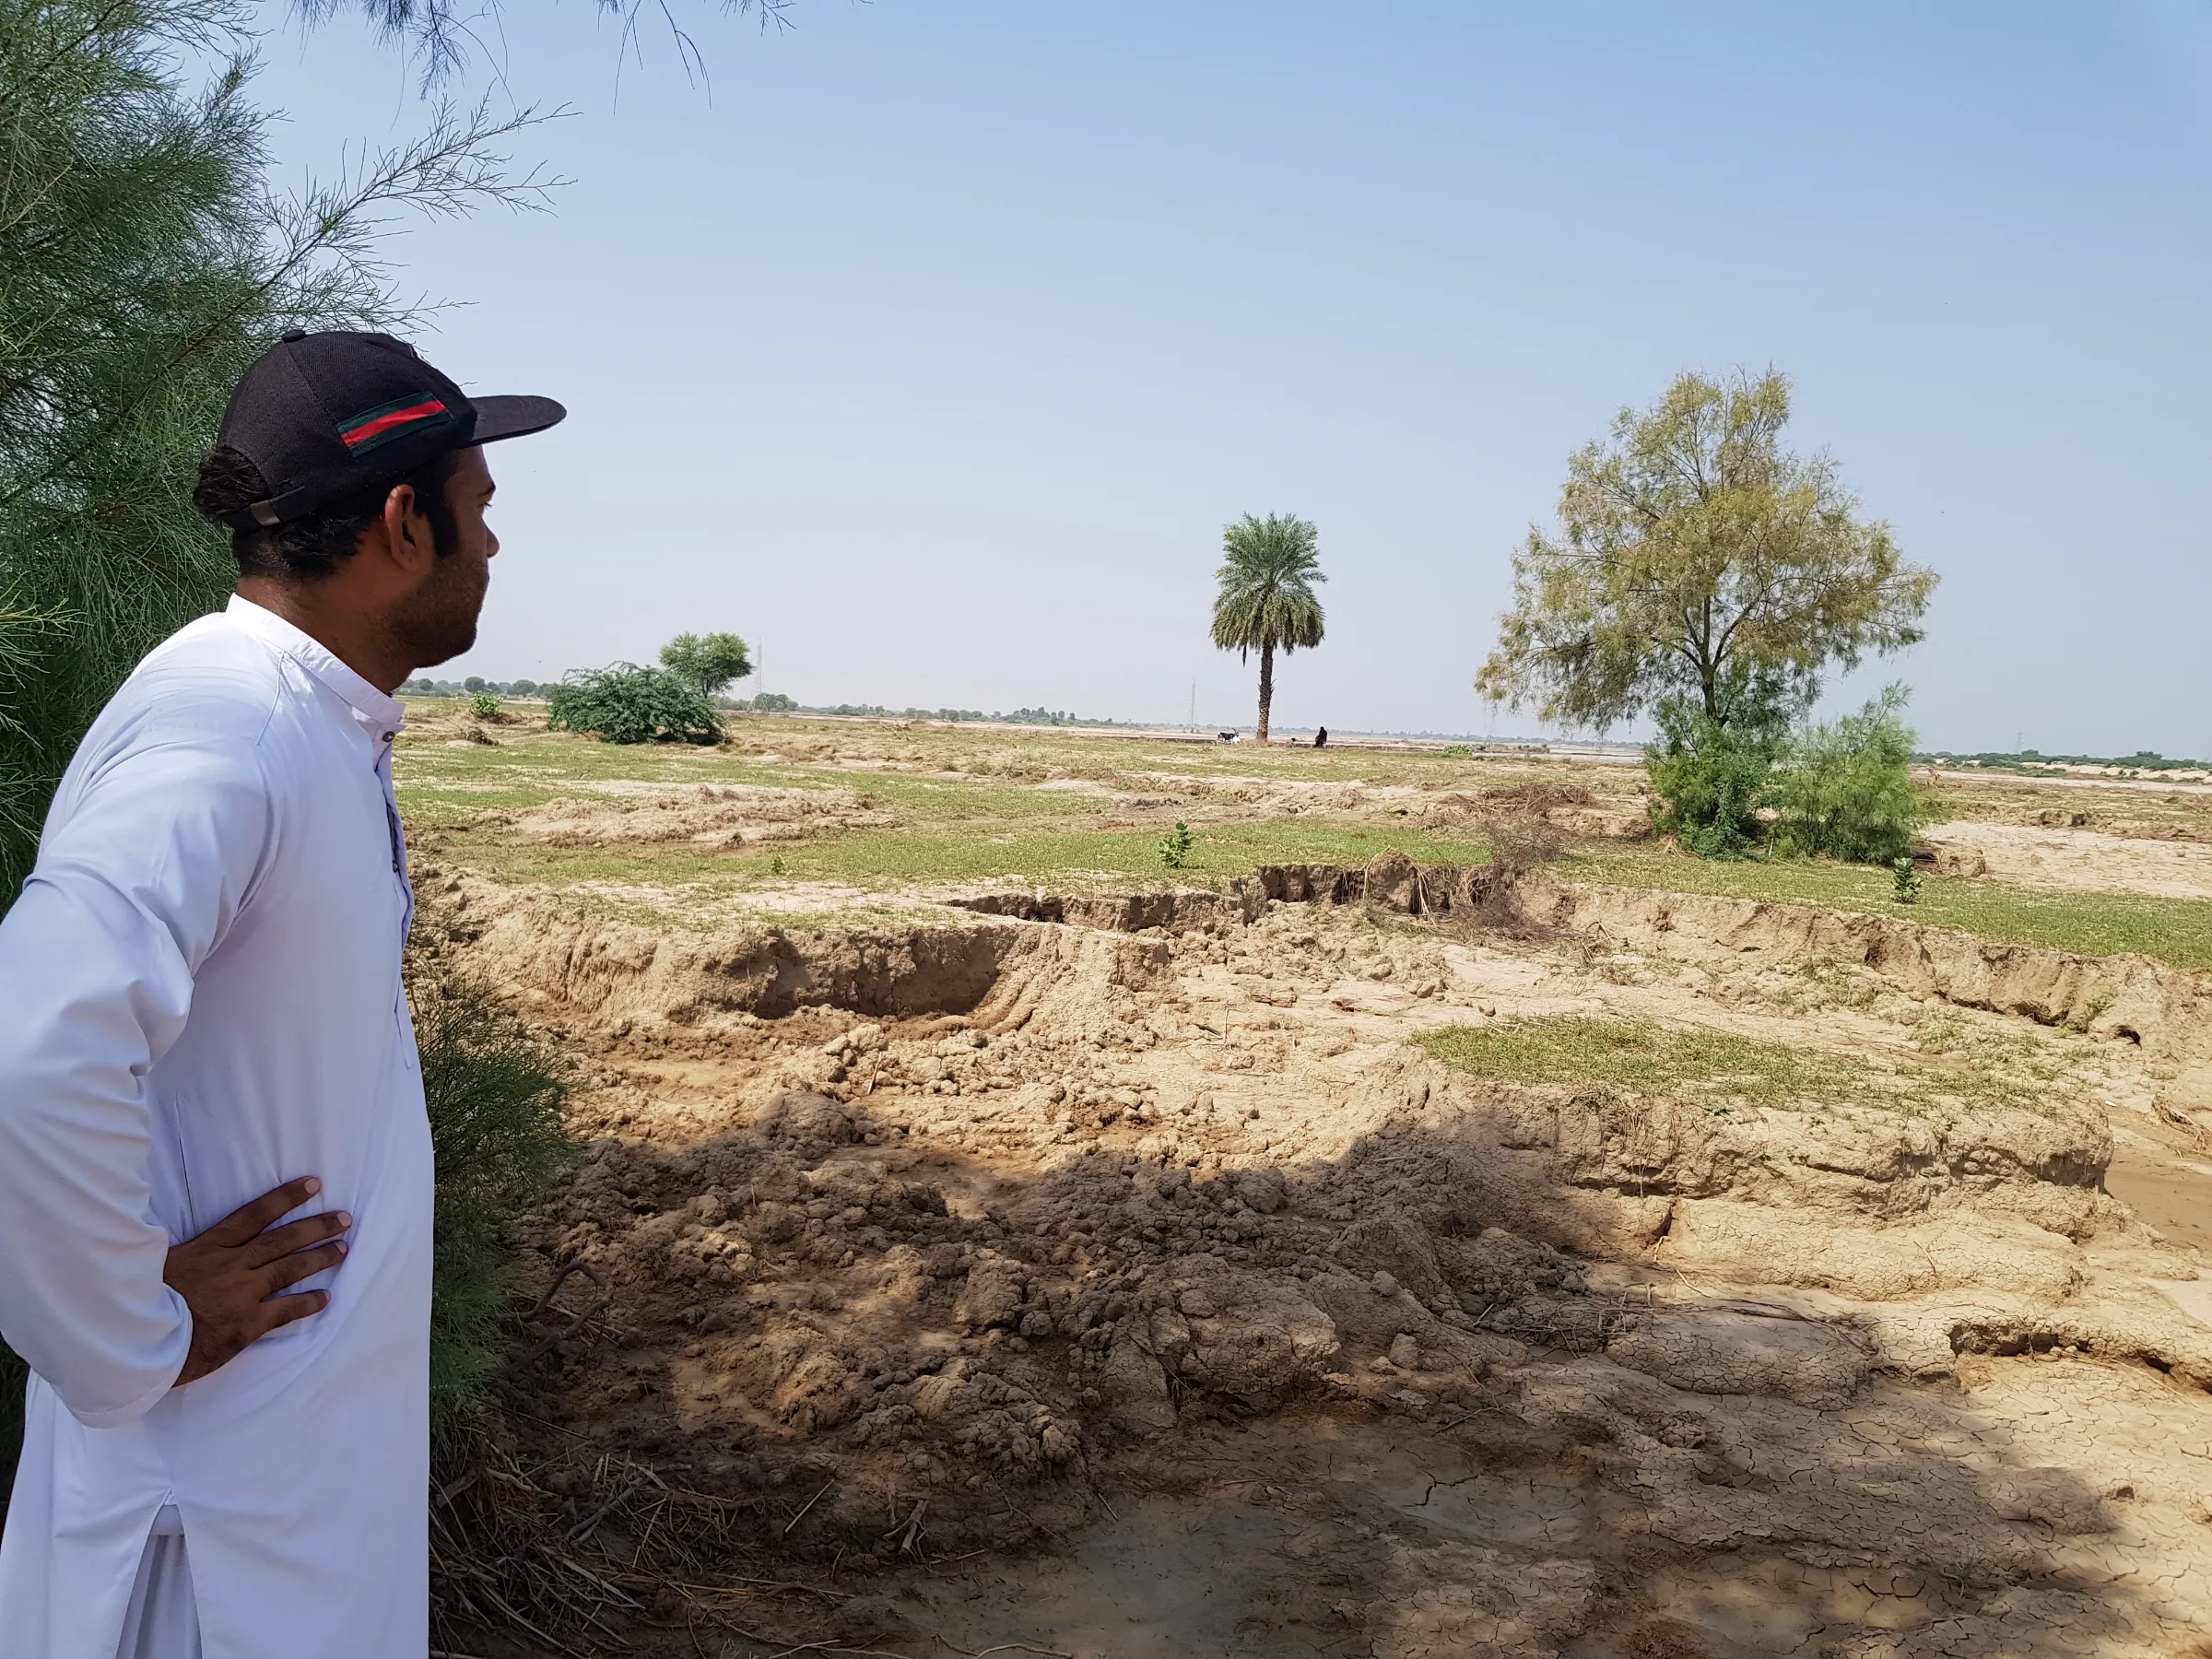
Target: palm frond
x=1263, y=598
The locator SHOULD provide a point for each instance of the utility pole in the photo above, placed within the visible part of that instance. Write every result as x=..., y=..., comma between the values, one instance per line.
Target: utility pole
x=1194, y=725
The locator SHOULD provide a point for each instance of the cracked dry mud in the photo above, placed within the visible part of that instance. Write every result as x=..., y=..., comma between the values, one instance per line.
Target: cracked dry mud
x=1112, y=1276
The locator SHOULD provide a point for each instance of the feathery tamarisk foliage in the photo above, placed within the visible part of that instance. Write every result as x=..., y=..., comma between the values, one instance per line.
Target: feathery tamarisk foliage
x=1698, y=560
x=142, y=265
x=1707, y=574
x=437, y=34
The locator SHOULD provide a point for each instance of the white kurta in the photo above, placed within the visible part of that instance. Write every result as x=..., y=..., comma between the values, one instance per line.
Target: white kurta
x=200, y=1000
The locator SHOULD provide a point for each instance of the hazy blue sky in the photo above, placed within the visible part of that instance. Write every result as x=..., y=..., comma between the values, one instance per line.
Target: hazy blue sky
x=934, y=344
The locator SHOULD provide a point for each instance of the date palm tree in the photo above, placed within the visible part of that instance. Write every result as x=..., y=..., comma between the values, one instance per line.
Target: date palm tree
x=1265, y=599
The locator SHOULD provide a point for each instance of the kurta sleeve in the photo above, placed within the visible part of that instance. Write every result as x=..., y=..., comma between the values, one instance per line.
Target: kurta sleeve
x=152, y=849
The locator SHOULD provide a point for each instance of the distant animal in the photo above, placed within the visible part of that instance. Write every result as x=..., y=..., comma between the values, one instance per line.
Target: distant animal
x=1228, y=736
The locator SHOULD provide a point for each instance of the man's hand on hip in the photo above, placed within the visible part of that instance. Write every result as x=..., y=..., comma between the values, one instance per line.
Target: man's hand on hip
x=232, y=1276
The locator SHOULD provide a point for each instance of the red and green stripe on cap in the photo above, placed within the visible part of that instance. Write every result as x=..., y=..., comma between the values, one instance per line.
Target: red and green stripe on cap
x=372, y=428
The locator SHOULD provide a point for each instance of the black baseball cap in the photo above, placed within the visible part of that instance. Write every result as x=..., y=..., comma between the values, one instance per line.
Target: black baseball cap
x=326, y=416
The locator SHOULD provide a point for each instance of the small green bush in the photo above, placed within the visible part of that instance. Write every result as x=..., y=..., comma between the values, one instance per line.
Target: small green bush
x=1175, y=846
x=1904, y=880
x=625, y=703
x=483, y=705
x=495, y=1094
x=1457, y=751
x=1709, y=780
x=1845, y=790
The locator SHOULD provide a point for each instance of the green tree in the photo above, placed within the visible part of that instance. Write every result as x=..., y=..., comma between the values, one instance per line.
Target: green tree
x=707, y=663
x=1265, y=599
x=143, y=264
x=1699, y=561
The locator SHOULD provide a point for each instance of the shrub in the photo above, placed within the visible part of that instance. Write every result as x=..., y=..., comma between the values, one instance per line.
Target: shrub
x=484, y=706
x=1175, y=846
x=1904, y=880
x=1846, y=790
x=625, y=703
x=495, y=1095
x=1709, y=780
x=1520, y=836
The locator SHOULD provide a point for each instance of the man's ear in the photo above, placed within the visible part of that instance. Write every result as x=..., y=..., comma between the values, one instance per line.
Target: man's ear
x=404, y=535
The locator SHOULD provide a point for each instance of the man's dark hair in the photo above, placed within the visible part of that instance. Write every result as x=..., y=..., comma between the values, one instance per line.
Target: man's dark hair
x=309, y=548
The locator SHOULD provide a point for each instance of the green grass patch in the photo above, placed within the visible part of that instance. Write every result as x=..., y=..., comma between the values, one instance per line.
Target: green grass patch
x=1723, y=1069
x=985, y=850
x=1635, y=1054
x=2172, y=930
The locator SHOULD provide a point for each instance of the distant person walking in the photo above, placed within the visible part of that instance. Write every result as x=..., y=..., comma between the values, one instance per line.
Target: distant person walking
x=1320, y=738
x=227, y=1440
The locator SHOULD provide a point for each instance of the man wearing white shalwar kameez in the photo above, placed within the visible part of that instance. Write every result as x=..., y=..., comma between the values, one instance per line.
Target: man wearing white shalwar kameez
x=227, y=1440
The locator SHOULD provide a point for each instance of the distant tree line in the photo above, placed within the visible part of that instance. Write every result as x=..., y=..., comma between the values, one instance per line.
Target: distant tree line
x=2141, y=760
x=472, y=686
x=765, y=702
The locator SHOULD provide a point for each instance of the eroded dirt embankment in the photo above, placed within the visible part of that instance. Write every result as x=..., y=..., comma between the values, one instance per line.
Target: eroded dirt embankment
x=1015, y=1244
x=2166, y=1011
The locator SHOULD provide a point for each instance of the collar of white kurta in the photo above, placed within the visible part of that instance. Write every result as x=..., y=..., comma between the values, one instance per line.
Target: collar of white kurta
x=379, y=717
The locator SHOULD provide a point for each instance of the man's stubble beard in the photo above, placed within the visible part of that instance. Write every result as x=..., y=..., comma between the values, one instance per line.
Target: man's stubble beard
x=436, y=622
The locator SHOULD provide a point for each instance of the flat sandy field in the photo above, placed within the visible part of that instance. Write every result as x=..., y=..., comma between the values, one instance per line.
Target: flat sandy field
x=1432, y=1220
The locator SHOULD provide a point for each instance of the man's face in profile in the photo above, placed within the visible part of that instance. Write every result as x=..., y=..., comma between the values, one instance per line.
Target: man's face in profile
x=438, y=621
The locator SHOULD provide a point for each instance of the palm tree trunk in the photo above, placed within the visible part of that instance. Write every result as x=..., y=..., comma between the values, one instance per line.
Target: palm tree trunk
x=1266, y=687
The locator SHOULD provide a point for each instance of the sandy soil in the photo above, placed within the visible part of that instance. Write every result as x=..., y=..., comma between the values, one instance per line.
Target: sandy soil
x=1109, y=1276
x=706, y=815
x=2139, y=809
x=2080, y=859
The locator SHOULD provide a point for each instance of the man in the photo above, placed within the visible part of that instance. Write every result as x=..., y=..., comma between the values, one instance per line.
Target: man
x=203, y=1034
